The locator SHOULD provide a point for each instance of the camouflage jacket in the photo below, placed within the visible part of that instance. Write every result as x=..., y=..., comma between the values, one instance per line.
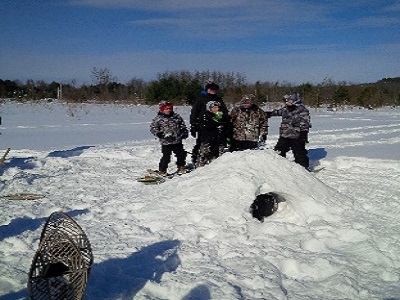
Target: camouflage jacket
x=248, y=124
x=293, y=121
x=168, y=128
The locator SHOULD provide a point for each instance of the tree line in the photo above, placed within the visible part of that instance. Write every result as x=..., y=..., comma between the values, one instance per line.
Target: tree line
x=183, y=87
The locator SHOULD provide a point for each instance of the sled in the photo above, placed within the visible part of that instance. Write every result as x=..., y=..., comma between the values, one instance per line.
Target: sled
x=61, y=266
x=318, y=170
x=151, y=179
x=22, y=196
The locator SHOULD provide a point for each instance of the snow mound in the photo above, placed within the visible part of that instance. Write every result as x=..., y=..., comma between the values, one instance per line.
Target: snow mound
x=208, y=212
x=224, y=190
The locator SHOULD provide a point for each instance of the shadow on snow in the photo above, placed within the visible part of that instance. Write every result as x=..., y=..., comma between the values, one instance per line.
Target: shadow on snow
x=124, y=277
x=69, y=153
x=28, y=163
x=201, y=292
x=315, y=155
x=19, y=225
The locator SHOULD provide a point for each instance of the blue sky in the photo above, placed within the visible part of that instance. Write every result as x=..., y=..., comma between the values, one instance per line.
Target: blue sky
x=267, y=40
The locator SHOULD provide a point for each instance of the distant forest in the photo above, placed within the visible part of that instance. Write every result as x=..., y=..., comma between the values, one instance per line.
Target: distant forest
x=182, y=87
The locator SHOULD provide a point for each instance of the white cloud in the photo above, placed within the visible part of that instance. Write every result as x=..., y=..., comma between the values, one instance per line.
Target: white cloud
x=154, y=5
x=395, y=7
x=377, y=21
x=286, y=10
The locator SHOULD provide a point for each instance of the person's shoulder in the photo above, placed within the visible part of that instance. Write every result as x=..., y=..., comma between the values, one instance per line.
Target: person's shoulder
x=207, y=114
x=282, y=109
x=235, y=109
x=301, y=107
x=202, y=96
x=200, y=100
x=176, y=115
x=157, y=116
x=259, y=110
x=225, y=117
x=220, y=99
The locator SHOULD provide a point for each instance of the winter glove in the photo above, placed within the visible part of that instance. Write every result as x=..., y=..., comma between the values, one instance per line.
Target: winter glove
x=228, y=142
x=304, y=136
x=160, y=135
x=261, y=141
x=218, y=116
x=184, y=134
x=193, y=131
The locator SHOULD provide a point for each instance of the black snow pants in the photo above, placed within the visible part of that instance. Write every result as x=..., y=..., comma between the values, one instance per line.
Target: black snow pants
x=167, y=151
x=298, y=147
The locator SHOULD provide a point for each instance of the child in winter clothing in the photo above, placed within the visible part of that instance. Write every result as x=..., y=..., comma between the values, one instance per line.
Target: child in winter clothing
x=214, y=128
x=170, y=128
x=293, y=131
x=250, y=124
x=199, y=107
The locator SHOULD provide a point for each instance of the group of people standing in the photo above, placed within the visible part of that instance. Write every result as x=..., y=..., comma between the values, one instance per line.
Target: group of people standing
x=216, y=128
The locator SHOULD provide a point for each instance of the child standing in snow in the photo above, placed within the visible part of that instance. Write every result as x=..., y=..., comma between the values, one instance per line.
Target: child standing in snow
x=293, y=132
x=170, y=128
x=214, y=128
x=199, y=107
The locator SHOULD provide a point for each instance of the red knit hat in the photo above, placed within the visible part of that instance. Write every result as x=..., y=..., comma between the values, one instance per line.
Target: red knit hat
x=164, y=105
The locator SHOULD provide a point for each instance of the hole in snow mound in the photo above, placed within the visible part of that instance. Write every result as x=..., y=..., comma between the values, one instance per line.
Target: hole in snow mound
x=265, y=205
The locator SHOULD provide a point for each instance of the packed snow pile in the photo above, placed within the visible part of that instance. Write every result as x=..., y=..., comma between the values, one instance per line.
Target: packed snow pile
x=192, y=237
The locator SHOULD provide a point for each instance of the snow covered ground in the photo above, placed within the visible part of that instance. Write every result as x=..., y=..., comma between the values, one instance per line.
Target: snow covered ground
x=192, y=237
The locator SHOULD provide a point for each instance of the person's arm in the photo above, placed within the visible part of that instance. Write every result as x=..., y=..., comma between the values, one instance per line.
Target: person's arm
x=304, y=120
x=304, y=125
x=183, y=132
x=194, y=117
x=194, y=113
x=155, y=128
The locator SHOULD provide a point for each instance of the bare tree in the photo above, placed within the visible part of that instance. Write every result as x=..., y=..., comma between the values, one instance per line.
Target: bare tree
x=102, y=76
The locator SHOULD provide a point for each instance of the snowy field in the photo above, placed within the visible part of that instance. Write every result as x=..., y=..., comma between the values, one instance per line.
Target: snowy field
x=335, y=237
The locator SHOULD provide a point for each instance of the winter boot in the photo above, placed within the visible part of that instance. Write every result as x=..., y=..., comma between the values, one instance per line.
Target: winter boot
x=161, y=173
x=190, y=166
x=181, y=170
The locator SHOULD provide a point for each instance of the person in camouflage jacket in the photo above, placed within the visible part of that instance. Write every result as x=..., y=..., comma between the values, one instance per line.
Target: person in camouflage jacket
x=170, y=128
x=293, y=131
x=250, y=124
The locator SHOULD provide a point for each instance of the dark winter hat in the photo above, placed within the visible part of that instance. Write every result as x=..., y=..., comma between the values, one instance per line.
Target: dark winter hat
x=164, y=105
x=213, y=103
x=248, y=99
x=212, y=86
x=293, y=98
